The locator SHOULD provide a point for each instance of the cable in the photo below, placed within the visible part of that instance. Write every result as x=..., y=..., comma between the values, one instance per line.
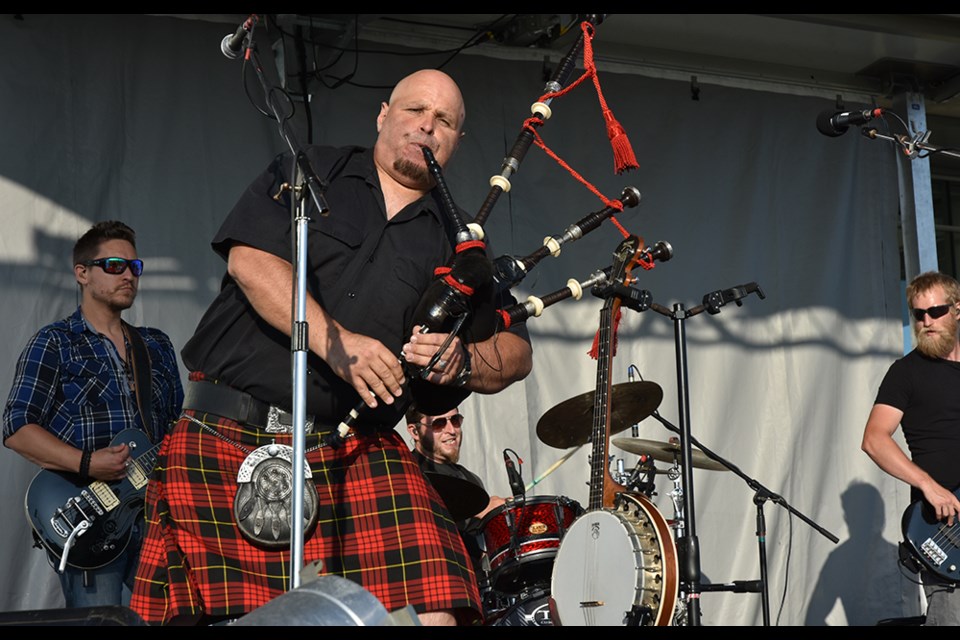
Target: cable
x=786, y=572
x=479, y=36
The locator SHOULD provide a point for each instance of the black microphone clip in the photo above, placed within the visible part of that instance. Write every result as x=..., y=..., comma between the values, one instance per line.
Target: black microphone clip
x=713, y=301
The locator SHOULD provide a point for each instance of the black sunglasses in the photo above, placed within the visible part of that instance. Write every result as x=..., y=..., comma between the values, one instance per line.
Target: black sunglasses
x=441, y=423
x=934, y=312
x=117, y=266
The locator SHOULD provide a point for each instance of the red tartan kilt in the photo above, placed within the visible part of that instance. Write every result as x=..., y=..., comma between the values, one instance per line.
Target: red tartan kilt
x=380, y=524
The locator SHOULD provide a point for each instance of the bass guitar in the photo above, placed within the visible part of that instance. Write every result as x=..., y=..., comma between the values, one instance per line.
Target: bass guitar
x=87, y=526
x=931, y=541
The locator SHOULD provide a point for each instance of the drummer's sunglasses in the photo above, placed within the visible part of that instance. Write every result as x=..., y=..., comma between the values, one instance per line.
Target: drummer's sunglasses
x=934, y=312
x=117, y=266
x=440, y=423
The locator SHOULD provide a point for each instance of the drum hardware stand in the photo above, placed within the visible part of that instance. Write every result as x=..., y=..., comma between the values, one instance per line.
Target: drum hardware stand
x=641, y=479
x=676, y=496
x=306, y=183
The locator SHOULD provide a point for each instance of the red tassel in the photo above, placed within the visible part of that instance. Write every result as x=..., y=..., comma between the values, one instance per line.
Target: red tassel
x=623, y=156
x=595, y=349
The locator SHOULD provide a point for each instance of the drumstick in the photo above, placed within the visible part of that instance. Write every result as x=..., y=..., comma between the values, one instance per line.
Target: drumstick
x=552, y=468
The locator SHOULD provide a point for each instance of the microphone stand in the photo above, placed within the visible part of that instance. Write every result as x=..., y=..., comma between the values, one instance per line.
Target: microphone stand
x=688, y=545
x=910, y=145
x=306, y=183
x=760, y=497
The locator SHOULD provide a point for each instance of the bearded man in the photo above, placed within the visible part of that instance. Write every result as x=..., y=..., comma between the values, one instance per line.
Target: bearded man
x=436, y=448
x=920, y=393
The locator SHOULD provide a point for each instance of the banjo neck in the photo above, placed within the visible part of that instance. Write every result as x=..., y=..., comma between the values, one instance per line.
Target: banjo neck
x=603, y=488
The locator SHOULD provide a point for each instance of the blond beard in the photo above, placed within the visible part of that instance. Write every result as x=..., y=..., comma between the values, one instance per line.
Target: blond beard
x=940, y=343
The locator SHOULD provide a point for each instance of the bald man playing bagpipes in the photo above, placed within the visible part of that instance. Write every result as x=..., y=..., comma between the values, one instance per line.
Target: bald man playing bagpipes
x=380, y=317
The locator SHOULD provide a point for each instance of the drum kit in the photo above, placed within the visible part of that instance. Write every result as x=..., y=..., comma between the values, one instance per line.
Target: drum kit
x=535, y=547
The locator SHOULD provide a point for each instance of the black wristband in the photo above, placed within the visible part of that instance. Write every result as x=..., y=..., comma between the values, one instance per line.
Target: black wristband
x=85, y=466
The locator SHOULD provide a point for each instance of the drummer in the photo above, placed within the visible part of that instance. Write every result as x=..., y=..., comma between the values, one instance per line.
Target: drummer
x=436, y=447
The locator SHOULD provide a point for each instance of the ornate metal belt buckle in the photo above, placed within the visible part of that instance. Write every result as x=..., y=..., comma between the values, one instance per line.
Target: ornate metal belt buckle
x=280, y=421
x=262, y=506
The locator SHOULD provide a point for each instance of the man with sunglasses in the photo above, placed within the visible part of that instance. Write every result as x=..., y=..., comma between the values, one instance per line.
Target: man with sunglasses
x=436, y=448
x=920, y=393
x=74, y=392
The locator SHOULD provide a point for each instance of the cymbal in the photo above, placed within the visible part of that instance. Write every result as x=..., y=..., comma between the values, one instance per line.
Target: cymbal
x=666, y=452
x=462, y=497
x=570, y=423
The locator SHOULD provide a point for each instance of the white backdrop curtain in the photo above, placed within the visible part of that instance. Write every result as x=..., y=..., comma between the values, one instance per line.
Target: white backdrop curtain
x=142, y=119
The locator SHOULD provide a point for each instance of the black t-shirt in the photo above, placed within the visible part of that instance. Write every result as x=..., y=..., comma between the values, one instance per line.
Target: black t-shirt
x=455, y=470
x=927, y=390
x=367, y=272
x=470, y=527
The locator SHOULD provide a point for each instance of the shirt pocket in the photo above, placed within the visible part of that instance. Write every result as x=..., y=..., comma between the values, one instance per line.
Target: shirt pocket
x=333, y=244
x=415, y=290
x=88, y=382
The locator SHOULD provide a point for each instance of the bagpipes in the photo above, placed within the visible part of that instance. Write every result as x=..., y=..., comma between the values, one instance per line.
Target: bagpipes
x=598, y=280
x=462, y=300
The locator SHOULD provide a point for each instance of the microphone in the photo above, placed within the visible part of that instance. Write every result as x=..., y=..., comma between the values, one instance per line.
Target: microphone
x=635, y=429
x=232, y=45
x=513, y=476
x=836, y=123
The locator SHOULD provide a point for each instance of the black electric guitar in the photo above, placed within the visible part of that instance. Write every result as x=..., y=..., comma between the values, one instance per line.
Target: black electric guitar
x=89, y=525
x=935, y=544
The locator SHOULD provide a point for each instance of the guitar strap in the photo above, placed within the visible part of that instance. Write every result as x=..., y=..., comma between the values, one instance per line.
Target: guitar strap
x=142, y=378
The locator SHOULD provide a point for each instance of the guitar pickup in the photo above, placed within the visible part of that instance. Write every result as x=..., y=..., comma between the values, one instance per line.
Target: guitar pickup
x=931, y=550
x=137, y=477
x=105, y=496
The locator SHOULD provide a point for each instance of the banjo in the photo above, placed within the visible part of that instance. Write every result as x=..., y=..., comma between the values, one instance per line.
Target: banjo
x=617, y=563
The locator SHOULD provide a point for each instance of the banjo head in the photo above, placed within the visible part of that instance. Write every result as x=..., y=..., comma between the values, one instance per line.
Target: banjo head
x=616, y=567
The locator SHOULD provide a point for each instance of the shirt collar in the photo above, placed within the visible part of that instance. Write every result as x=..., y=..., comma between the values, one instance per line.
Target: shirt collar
x=361, y=165
x=78, y=324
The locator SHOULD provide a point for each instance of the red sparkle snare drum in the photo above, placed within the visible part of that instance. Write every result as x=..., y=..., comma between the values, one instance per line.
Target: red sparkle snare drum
x=521, y=538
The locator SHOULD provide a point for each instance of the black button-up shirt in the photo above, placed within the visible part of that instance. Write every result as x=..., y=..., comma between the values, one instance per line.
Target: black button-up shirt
x=368, y=272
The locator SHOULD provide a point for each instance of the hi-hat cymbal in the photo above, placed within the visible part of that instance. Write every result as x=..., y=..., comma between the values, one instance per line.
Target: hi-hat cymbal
x=666, y=452
x=570, y=423
x=462, y=497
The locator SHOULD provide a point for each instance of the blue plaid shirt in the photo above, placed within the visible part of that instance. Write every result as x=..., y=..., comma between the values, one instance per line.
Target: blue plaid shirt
x=68, y=382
